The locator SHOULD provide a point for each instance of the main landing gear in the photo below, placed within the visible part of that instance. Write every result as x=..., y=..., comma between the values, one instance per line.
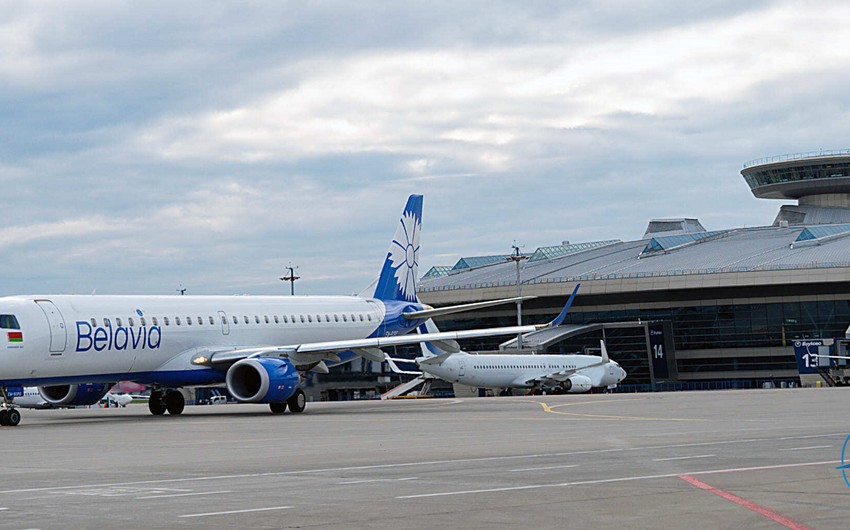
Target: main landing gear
x=296, y=403
x=9, y=416
x=171, y=400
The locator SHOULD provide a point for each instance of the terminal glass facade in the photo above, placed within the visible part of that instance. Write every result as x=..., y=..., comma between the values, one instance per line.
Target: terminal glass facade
x=721, y=327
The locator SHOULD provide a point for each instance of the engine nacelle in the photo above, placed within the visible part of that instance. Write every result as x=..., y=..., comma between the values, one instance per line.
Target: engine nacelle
x=73, y=395
x=262, y=380
x=577, y=384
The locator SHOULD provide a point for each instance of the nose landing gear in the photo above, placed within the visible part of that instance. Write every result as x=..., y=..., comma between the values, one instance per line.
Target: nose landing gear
x=9, y=416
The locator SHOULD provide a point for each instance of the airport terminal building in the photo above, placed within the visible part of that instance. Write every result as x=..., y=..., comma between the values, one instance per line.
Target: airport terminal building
x=728, y=304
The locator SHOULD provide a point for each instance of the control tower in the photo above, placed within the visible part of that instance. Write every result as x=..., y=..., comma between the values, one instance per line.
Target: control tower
x=818, y=180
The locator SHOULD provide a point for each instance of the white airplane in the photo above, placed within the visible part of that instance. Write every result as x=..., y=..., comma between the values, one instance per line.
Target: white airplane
x=555, y=373
x=74, y=347
x=32, y=399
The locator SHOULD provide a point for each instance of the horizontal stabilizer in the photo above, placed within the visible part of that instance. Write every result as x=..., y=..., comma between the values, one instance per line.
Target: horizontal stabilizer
x=393, y=364
x=448, y=346
x=430, y=313
x=437, y=359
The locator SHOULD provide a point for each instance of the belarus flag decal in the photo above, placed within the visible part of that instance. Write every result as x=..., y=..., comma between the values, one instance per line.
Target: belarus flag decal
x=16, y=336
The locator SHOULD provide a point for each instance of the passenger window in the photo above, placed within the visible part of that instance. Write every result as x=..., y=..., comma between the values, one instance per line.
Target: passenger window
x=361, y=317
x=106, y=322
x=130, y=320
x=188, y=321
x=177, y=321
x=246, y=320
x=93, y=323
x=154, y=321
x=201, y=321
x=336, y=318
x=345, y=318
x=212, y=320
x=352, y=317
x=285, y=319
x=302, y=319
x=235, y=320
x=223, y=320
x=11, y=322
x=369, y=317
x=276, y=320
x=309, y=318
x=142, y=321
x=266, y=318
x=118, y=322
x=165, y=320
x=327, y=318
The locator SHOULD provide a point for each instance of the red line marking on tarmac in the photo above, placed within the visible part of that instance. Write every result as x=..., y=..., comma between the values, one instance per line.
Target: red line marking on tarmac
x=759, y=509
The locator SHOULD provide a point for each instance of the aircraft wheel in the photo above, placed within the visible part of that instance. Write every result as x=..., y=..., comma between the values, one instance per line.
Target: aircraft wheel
x=10, y=417
x=175, y=402
x=13, y=417
x=297, y=402
x=278, y=408
x=155, y=404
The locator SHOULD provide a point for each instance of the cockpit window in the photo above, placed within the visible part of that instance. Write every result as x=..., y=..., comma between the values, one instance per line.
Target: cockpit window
x=9, y=322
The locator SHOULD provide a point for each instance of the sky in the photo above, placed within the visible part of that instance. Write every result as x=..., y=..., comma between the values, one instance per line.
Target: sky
x=149, y=146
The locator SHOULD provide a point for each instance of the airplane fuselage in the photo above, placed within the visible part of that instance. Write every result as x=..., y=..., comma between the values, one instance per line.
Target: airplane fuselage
x=520, y=371
x=152, y=339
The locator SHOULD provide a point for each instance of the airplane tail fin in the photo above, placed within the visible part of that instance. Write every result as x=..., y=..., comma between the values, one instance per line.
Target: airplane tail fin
x=605, y=358
x=437, y=347
x=400, y=270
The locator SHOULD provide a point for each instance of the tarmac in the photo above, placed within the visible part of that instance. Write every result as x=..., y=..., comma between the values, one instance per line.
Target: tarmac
x=726, y=459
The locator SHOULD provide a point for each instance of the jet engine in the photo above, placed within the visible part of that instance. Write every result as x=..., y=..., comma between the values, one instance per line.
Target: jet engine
x=73, y=395
x=577, y=384
x=262, y=380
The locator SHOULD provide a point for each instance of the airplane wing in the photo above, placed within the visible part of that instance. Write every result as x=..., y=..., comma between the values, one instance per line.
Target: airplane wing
x=562, y=375
x=559, y=376
x=369, y=348
x=430, y=313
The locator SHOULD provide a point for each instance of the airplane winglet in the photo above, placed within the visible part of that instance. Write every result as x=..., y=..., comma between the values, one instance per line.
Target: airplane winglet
x=605, y=358
x=563, y=314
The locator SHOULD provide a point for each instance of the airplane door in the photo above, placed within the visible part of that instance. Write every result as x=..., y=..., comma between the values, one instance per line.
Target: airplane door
x=225, y=325
x=58, y=333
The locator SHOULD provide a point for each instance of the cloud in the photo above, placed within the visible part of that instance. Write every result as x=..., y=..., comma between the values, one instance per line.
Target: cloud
x=209, y=144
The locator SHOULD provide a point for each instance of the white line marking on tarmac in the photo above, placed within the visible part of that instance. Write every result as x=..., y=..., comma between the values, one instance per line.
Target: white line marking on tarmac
x=401, y=465
x=681, y=458
x=804, y=448
x=542, y=468
x=237, y=511
x=607, y=480
x=3, y=509
x=184, y=495
x=378, y=480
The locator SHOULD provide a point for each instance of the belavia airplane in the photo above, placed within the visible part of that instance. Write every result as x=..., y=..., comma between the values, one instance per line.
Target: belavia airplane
x=75, y=347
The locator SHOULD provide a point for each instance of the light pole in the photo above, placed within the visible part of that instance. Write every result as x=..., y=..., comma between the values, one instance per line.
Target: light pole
x=517, y=257
x=291, y=277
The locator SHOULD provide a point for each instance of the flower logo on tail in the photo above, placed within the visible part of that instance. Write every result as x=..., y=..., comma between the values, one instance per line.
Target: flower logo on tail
x=404, y=255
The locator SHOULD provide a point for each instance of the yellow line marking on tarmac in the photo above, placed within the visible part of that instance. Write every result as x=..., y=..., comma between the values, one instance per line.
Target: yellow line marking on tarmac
x=551, y=409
